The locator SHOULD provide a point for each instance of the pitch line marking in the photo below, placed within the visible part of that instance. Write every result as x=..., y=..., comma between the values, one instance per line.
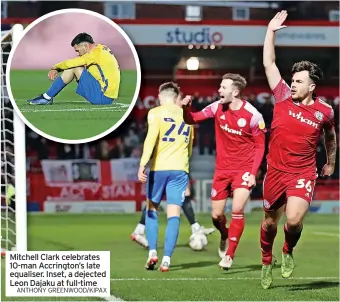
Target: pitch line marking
x=217, y=279
x=119, y=107
x=327, y=234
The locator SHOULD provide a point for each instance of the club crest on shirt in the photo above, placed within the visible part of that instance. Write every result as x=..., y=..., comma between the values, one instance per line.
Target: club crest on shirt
x=241, y=122
x=318, y=115
x=262, y=125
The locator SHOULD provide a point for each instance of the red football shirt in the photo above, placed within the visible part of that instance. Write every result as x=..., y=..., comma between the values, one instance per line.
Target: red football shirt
x=295, y=131
x=239, y=133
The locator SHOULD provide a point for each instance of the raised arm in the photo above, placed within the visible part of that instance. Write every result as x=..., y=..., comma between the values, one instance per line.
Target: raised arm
x=196, y=117
x=272, y=72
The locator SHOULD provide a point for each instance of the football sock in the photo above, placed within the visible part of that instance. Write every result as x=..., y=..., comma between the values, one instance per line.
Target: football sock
x=55, y=88
x=151, y=226
x=188, y=210
x=267, y=241
x=292, y=236
x=221, y=226
x=142, y=218
x=235, y=232
x=46, y=96
x=171, y=235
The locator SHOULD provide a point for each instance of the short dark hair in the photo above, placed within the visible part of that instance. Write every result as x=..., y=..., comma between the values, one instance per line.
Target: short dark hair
x=82, y=37
x=314, y=71
x=238, y=81
x=171, y=86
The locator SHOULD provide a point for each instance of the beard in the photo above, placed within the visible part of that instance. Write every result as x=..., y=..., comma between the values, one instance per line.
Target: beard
x=226, y=99
x=299, y=97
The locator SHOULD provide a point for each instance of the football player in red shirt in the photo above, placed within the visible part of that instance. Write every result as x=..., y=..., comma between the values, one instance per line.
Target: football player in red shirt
x=298, y=121
x=240, y=144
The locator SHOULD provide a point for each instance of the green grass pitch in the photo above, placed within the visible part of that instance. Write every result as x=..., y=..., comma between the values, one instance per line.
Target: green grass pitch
x=195, y=276
x=71, y=116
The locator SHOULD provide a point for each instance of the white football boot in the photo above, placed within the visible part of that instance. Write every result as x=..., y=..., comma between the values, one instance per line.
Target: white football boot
x=140, y=239
x=138, y=235
x=196, y=227
x=226, y=262
x=152, y=260
x=164, y=267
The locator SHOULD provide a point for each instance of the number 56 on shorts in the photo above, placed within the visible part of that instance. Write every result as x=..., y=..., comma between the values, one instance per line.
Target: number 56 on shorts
x=278, y=186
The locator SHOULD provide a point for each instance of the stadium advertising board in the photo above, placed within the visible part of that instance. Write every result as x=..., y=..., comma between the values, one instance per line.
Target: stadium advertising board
x=230, y=35
x=90, y=206
x=81, y=186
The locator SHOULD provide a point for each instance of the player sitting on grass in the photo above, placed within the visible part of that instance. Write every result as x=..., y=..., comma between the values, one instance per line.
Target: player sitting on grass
x=138, y=234
x=299, y=118
x=169, y=145
x=240, y=143
x=96, y=71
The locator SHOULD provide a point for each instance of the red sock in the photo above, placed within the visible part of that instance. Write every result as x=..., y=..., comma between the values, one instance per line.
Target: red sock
x=267, y=241
x=221, y=226
x=291, y=239
x=235, y=232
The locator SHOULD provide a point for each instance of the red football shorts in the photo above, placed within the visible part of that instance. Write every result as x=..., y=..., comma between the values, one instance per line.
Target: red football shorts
x=278, y=186
x=225, y=182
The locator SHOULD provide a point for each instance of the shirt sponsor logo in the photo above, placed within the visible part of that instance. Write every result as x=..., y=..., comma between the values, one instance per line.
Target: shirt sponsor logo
x=232, y=131
x=299, y=117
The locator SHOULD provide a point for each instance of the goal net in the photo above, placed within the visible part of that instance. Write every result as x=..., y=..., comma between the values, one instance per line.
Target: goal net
x=13, y=160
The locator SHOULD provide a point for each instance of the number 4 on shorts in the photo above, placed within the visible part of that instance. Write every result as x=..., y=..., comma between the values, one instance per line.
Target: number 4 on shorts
x=245, y=178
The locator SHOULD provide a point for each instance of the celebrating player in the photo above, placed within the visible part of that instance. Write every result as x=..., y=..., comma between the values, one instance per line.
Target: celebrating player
x=169, y=143
x=138, y=234
x=240, y=144
x=298, y=119
x=96, y=71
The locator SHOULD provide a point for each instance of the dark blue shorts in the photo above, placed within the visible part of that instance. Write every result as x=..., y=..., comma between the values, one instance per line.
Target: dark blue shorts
x=172, y=183
x=90, y=89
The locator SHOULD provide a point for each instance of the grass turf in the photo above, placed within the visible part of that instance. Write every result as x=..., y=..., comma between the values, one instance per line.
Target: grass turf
x=195, y=276
x=71, y=116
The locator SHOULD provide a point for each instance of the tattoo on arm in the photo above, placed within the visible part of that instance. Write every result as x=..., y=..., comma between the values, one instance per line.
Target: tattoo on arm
x=330, y=145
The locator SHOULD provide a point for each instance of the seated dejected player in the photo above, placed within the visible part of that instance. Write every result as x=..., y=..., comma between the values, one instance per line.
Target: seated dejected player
x=96, y=71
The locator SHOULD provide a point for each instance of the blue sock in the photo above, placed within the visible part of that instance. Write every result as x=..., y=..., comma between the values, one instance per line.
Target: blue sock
x=57, y=86
x=171, y=235
x=151, y=227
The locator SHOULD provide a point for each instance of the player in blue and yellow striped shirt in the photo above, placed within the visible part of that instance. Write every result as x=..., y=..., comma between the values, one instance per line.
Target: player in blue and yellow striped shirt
x=168, y=147
x=95, y=69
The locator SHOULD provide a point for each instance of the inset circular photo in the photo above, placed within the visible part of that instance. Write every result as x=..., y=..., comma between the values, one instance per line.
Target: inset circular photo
x=74, y=76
